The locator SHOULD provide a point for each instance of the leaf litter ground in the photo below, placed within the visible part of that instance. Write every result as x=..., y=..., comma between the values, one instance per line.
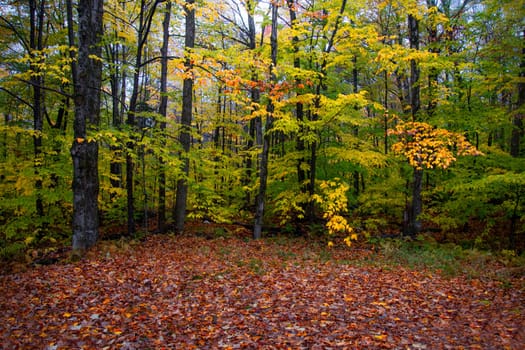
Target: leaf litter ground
x=228, y=293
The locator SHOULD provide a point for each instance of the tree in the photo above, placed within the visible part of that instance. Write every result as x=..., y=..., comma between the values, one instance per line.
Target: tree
x=146, y=14
x=413, y=211
x=346, y=72
x=270, y=108
x=36, y=33
x=426, y=147
x=187, y=105
x=163, y=112
x=116, y=56
x=519, y=114
x=87, y=78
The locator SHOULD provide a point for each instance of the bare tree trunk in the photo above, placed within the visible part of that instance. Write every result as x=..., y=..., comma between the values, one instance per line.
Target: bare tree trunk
x=187, y=113
x=255, y=126
x=415, y=103
x=87, y=84
x=36, y=15
x=115, y=79
x=263, y=171
x=299, y=107
x=161, y=221
x=413, y=226
x=517, y=119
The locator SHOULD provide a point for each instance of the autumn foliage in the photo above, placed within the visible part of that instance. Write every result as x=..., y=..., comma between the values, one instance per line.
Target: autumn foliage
x=427, y=147
x=175, y=292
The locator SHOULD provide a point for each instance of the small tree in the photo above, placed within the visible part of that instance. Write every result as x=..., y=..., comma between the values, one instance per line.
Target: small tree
x=333, y=201
x=426, y=147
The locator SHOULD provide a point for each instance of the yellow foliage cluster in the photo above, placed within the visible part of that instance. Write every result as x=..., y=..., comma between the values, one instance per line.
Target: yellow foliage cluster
x=334, y=203
x=426, y=147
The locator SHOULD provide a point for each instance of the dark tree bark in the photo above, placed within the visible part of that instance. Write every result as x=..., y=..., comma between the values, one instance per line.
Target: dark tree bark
x=299, y=107
x=187, y=113
x=263, y=171
x=161, y=222
x=517, y=119
x=255, y=125
x=87, y=83
x=115, y=53
x=412, y=223
x=415, y=102
x=36, y=30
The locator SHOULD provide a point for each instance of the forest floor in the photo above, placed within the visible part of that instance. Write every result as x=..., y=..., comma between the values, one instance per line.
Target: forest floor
x=229, y=292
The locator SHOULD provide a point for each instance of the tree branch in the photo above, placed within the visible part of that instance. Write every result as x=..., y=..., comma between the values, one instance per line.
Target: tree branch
x=12, y=94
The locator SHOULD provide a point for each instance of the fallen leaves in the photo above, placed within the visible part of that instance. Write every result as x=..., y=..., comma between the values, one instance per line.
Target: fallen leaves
x=193, y=293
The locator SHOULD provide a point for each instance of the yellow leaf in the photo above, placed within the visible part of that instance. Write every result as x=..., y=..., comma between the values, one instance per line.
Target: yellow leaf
x=66, y=314
x=80, y=140
x=380, y=336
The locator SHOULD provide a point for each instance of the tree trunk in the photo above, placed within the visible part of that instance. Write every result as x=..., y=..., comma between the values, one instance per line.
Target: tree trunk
x=255, y=125
x=87, y=84
x=416, y=206
x=115, y=84
x=299, y=107
x=263, y=171
x=415, y=103
x=187, y=112
x=517, y=119
x=85, y=193
x=35, y=44
x=161, y=221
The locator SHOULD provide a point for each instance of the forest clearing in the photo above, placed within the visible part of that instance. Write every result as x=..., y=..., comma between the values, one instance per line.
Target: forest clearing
x=231, y=292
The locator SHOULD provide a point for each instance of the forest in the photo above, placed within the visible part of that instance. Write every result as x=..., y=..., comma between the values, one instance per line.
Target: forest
x=262, y=174
x=356, y=119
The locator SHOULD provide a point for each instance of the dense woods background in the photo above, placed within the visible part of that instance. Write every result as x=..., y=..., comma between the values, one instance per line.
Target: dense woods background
x=356, y=119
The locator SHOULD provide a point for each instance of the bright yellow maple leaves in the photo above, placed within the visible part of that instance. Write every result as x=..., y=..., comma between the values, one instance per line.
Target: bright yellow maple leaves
x=334, y=203
x=427, y=147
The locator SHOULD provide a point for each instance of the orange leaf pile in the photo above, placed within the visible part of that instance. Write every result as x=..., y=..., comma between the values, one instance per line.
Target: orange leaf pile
x=193, y=293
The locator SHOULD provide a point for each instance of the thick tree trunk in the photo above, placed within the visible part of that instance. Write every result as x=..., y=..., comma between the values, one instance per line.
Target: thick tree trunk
x=85, y=194
x=187, y=105
x=88, y=78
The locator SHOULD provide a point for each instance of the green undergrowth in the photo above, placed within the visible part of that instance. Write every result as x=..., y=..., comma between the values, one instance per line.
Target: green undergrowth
x=449, y=259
